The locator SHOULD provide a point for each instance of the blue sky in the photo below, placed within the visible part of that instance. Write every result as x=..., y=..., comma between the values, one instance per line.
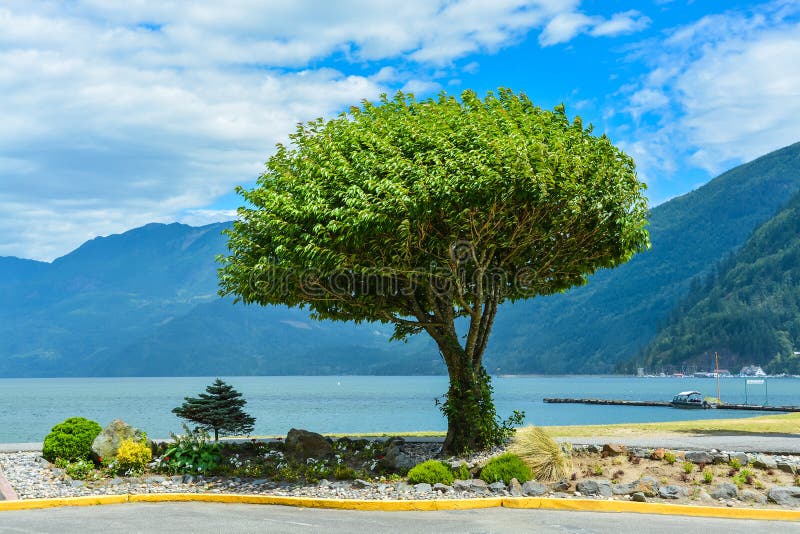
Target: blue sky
x=116, y=114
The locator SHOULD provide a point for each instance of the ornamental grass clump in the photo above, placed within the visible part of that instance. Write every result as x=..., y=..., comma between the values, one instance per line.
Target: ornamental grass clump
x=431, y=472
x=545, y=457
x=71, y=440
x=504, y=468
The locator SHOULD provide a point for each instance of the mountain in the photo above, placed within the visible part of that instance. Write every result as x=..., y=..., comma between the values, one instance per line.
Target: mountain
x=591, y=329
x=748, y=309
x=144, y=302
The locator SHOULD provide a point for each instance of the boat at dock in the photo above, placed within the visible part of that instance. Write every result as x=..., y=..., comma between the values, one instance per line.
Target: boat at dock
x=690, y=400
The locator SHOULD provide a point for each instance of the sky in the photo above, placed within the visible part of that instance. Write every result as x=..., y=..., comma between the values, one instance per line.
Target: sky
x=117, y=114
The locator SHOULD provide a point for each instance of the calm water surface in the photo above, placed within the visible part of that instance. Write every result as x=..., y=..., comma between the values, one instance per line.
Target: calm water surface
x=30, y=407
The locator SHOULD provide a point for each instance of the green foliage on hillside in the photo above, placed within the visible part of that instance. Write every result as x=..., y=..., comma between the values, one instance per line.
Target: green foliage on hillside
x=748, y=308
x=618, y=312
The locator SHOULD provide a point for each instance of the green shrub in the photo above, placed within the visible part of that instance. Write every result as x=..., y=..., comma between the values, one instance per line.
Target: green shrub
x=342, y=472
x=670, y=457
x=191, y=453
x=132, y=457
x=708, y=476
x=462, y=472
x=431, y=472
x=735, y=463
x=505, y=467
x=71, y=440
x=79, y=470
x=688, y=467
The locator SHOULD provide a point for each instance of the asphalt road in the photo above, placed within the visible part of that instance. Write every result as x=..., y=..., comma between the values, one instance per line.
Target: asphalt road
x=230, y=518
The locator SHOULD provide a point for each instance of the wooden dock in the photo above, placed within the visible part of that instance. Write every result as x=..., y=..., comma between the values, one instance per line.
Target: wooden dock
x=723, y=406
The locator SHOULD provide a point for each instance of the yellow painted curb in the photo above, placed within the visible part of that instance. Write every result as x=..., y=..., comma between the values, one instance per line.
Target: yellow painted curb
x=542, y=503
x=590, y=505
x=32, y=504
x=312, y=502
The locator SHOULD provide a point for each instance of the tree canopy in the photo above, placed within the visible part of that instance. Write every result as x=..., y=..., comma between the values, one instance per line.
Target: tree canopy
x=423, y=213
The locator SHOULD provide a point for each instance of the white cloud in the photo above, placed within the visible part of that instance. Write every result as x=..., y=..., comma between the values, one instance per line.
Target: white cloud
x=117, y=114
x=725, y=90
x=566, y=26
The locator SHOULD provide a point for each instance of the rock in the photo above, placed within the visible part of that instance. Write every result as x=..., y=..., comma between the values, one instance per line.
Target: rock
x=497, y=486
x=593, y=449
x=741, y=457
x=594, y=487
x=177, y=479
x=699, y=457
x=703, y=496
x=442, y=488
x=262, y=481
x=752, y=496
x=648, y=485
x=725, y=490
x=107, y=442
x=462, y=485
x=188, y=479
x=302, y=445
x=720, y=457
x=614, y=449
x=625, y=489
x=422, y=488
x=638, y=497
x=515, y=488
x=672, y=492
x=787, y=467
x=154, y=479
x=639, y=452
x=394, y=458
x=784, y=495
x=478, y=485
x=359, y=483
x=78, y=483
x=658, y=454
x=561, y=485
x=116, y=481
x=532, y=488
x=764, y=462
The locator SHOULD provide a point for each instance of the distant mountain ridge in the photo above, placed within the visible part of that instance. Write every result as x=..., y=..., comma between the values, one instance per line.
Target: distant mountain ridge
x=747, y=310
x=144, y=303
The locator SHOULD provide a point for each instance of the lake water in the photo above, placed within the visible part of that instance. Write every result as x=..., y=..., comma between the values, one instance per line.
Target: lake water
x=30, y=407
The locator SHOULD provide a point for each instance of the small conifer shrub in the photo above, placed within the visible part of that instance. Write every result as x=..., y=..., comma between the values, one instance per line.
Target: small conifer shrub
x=219, y=409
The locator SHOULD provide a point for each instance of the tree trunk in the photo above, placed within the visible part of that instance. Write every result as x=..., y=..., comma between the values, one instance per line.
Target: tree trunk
x=471, y=418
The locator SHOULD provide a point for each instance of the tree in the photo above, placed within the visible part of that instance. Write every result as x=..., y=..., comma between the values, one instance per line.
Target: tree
x=219, y=409
x=428, y=215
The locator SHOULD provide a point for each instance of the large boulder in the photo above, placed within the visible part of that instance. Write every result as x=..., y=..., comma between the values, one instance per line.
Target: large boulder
x=532, y=488
x=785, y=495
x=302, y=445
x=594, y=487
x=699, y=457
x=395, y=459
x=725, y=490
x=107, y=442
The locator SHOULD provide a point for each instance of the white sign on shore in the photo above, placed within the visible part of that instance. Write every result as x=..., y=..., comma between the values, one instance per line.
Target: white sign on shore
x=755, y=382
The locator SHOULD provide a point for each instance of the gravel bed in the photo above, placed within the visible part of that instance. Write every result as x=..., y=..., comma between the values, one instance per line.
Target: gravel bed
x=33, y=477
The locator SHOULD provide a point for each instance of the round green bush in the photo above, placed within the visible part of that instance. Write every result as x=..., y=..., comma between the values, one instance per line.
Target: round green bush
x=71, y=440
x=505, y=467
x=431, y=472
